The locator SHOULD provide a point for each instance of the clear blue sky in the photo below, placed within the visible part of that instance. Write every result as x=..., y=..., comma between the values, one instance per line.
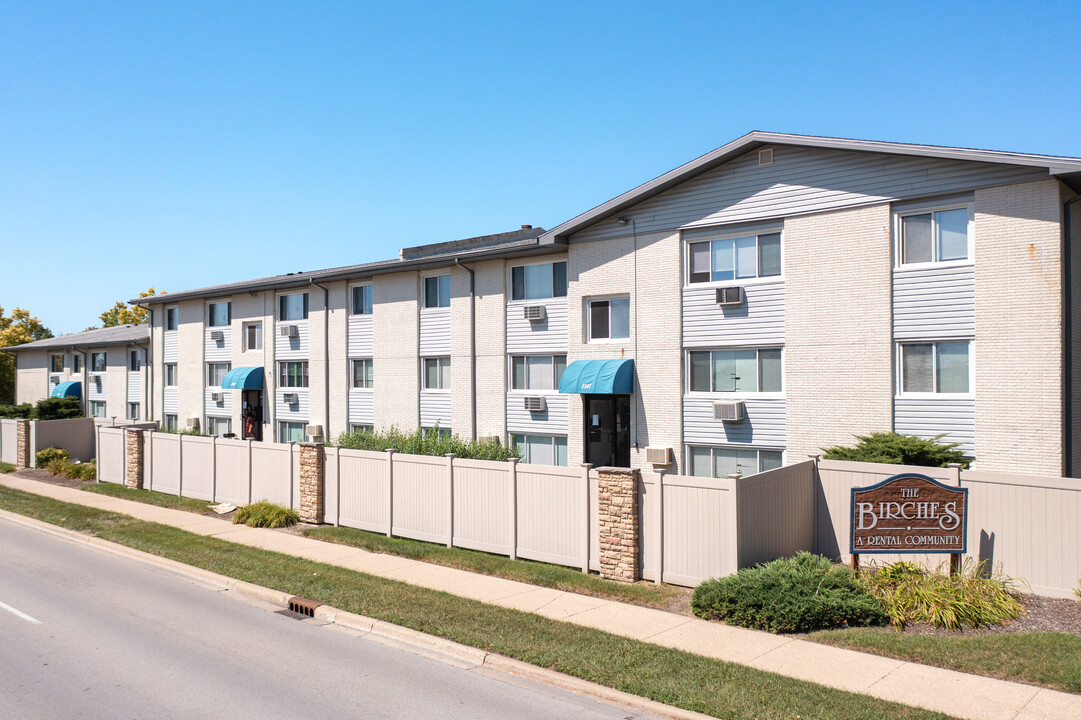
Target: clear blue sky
x=183, y=144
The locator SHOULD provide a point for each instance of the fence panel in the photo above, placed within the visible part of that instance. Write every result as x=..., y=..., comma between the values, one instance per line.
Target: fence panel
x=231, y=471
x=9, y=436
x=482, y=512
x=363, y=484
x=164, y=471
x=111, y=455
x=552, y=514
x=649, y=526
x=698, y=520
x=774, y=513
x=76, y=435
x=198, y=467
x=271, y=473
x=331, y=463
x=421, y=497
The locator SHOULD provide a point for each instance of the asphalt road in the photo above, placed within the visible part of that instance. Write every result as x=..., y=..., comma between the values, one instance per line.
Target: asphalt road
x=85, y=633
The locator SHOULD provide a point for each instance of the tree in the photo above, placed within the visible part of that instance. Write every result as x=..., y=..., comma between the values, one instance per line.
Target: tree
x=124, y=314
x=17, y=329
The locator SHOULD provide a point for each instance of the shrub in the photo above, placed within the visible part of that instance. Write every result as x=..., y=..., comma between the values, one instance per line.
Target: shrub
x=57, y=408
x=910, y=594
x=63, y=467
x=266, y=514
x=798, y=594
x=426, y=442
x=895, y=449
x=15, y=412
x=46, y=456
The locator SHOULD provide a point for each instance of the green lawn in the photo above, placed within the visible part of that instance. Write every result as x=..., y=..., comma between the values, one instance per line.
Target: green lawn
x=149, y=497
x=6, y=467
x=670, y=676
x=1050, y=659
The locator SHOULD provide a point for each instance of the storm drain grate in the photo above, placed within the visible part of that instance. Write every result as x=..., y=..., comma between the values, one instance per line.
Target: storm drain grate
x=291, y=614
x=303, y=606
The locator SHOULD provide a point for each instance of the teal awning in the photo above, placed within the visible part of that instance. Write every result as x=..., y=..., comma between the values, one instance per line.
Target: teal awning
x=603, y=377
x=71, y=388
x=243, y=378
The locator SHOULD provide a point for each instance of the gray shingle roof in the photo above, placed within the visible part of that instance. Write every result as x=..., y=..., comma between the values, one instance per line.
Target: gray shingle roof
x=119, y=335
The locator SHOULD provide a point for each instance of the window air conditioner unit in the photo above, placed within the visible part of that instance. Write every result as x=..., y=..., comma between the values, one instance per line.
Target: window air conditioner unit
x=535, y=313
x=96, y=379
x=56, y=378
x=536, y=404
x=218, y=397
x=217, y=336
x=313, y=430
x=289, y=331
x=291, y=398
x=659, y=455
x=729, y=296
x=729, y=411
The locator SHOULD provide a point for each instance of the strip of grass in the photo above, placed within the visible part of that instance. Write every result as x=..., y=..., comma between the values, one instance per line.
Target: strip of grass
x=6, y=467
x=1050, y=659
x=150, y=497
x=527, y=571
x=669, y=676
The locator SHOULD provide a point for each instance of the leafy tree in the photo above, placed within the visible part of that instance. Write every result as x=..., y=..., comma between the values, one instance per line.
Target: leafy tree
x=895, y=449
x=124, y=314
x=17, y=329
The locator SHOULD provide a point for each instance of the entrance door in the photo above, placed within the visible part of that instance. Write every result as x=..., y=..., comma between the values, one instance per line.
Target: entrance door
x=608, y=430
x=252, y=407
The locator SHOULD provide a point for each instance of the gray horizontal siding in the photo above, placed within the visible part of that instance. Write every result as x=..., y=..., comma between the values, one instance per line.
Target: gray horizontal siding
x=222, y=409
x=291, y=348
x=806, y=180
x=170, y=345
x=170, y=400
x=759, y=321
x=435, y=408
x=549, y=336
x=763, y=426
x=929, y=417
x=135, y=387
x=291, y=413
x=934, y=303
x=92, y=392
x=361, y=406
x=435, y=331
x=218, y=351
x=361, y=342
x=551, y=422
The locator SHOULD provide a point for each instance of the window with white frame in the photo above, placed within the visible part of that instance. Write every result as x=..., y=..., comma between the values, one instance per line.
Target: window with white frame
x=133, y=411
x=217, y=314
x=253, y=336
x=436, y=373
x=170, y=374
x=541, y=449
x=735, y=258
x=97, y=362
x=293, y=374
x=56, y=363
x=169, y=423
x=216, y=372
x=170, y=318
x=291, y=432
x=936, y=236
x=934, y=367
x=440, y=432
x=97, y=408
x=76, y=363
x=720, y=462
x=536, y=282
x=609, y=319
x=362, y=300
x=361, y=428
x=362, y=373
x=135, y=360
x=742, y=370
x=437, y=291
x=293, y=307
x=218, y=426
x=536, y=372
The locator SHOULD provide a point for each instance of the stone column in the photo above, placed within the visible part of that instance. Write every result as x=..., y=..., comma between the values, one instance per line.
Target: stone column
x=618, y=523
x=22, y=444
x=311, y=482
x=134, y=451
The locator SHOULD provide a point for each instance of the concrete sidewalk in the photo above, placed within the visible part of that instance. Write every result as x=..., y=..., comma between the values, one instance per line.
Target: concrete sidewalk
x=954, y=693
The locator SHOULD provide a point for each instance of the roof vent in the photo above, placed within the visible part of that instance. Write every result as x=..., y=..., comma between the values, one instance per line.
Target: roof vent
x=527, y=227
x=765, y=156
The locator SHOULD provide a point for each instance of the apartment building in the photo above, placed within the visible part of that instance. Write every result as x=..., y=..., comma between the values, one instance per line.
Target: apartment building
x=106, y=368
x=780, y=294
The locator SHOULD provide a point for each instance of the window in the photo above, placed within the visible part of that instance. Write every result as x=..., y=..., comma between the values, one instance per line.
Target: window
x=135, y=362
x=76, y=363
x=97, y=362
x=97, y=408
x=437, y=291
x=217, y=314
x=941, y=367
x=534, y=282
x=738, y=258
x=356, y=428
x=170, y=374
x=293, y=307
x=293, y=374
x=436, y=373
x=744, y=370
x=218, y=426
x=439, y=432
x=215, y=373
x=541, y=449
x=934, y=236
x=362, y=373
x=722, y=462
x=362, y=300
x=133, y=411
x=610, y=319
x=56, y=363
x=169, y=423
x=537, y=372
x=291, y=432
x=170, y=318
x=253, y=336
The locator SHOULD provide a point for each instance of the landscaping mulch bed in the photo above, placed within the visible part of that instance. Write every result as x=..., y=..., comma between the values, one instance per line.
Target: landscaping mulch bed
x=1042, y=614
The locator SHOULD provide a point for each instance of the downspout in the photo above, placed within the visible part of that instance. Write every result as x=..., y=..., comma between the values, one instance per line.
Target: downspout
x=146, y=386
x=326, y=357
x=149, y=370
x=1068, y=359
x=472, y=347
x=84, y=376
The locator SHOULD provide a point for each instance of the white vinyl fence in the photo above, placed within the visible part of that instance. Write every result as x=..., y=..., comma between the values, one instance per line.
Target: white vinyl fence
x=9, y=430
x=76, y=435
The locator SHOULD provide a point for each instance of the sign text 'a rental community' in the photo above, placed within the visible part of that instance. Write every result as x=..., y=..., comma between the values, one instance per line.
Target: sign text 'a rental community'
x=909, y=513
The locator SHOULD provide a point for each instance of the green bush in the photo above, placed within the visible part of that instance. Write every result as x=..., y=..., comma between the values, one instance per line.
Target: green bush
x=266, y=514
x=426, y=442
x=15, y=412
x=798, y=594
x=44, y=457
x=56, y=408
x=63, y=467
x=911, y=594
x=895, y=449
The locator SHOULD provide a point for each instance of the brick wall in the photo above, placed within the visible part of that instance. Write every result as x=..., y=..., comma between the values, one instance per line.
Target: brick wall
x=490, y=348
x=133, y=449
x=31, y=376
x=397, y=372
x=340, y=378
x=191, y=369
x=618, y=523
x=311, y=482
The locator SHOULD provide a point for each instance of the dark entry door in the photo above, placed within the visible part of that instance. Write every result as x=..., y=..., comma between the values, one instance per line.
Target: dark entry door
x=251, y=416
x=608, y=430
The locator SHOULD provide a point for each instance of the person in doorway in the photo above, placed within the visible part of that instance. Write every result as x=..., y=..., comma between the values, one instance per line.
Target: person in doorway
x=249, y=423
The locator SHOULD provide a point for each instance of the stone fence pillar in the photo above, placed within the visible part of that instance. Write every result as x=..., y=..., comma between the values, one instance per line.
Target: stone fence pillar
x=312, y=480
x=22, y=444
x=618, y=523
x=133, y=448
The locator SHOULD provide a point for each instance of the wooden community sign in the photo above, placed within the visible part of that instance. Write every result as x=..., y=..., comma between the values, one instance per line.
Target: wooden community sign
x=909, y=513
